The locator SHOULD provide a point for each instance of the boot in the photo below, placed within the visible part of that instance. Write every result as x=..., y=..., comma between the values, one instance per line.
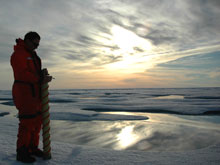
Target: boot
x=24, y=156
x=35, y=151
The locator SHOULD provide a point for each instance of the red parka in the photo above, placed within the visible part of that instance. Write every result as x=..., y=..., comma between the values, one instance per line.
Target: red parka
x=27, y=85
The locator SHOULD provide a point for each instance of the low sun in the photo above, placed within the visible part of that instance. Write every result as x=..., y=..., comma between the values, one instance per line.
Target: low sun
x=131, y=48
x=127, y=41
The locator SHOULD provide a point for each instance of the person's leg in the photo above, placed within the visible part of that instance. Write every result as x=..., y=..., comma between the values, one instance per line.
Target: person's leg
x=23, y=141
x=35, y=137
x=24, y=133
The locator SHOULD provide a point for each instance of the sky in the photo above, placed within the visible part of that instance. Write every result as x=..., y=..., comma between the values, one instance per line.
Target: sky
x=117, y=43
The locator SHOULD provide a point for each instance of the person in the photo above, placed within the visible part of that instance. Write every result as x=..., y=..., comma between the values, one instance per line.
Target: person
x=26, y=92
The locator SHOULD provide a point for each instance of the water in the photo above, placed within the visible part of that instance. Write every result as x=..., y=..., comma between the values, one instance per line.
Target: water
x=162, y=119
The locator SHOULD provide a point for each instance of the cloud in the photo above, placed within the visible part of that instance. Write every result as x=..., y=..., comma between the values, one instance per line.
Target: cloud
x=78, y=35
x=199, y=62
x=215, y=74
x=196, y=71
x=177, y=23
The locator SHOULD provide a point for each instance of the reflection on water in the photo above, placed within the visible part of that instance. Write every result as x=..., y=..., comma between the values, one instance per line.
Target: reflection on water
x=126, y=137
x=88, y=98
x=162, y=132
x=170, y=97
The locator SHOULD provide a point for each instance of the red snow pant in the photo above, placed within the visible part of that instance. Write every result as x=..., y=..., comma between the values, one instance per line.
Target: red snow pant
x=29, y=132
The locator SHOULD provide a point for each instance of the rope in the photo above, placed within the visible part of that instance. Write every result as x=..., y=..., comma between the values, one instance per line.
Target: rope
x=46, y=121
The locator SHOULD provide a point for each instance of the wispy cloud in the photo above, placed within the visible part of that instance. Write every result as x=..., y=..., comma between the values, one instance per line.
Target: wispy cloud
x=78, y=38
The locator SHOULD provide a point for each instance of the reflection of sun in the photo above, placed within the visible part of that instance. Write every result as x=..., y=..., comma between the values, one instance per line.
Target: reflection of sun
x=132, y=50
x=126, y=137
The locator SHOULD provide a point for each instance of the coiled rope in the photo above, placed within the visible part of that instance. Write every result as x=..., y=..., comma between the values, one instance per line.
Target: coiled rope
x=46, y=121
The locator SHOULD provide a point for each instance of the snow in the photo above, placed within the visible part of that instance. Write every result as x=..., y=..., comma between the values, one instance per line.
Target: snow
x=67, y=153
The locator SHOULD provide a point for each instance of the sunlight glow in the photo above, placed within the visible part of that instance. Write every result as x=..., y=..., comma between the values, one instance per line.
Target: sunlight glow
x=126, y=137
x=132, y=64
x=127, y=41
x=134, y=51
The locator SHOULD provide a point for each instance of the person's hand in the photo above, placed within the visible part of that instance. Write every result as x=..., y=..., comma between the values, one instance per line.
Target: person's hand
x=45, y=72
x=47, y=79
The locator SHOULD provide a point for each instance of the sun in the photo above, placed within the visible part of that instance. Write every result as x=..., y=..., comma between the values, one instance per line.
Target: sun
x=127, y=40
x=132, y=50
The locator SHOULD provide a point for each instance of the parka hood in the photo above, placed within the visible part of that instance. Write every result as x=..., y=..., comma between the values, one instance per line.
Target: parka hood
x=19, y=44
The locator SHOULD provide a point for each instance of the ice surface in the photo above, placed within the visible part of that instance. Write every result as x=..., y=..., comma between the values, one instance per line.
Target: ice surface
x=67, y=153
x=70, y=117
